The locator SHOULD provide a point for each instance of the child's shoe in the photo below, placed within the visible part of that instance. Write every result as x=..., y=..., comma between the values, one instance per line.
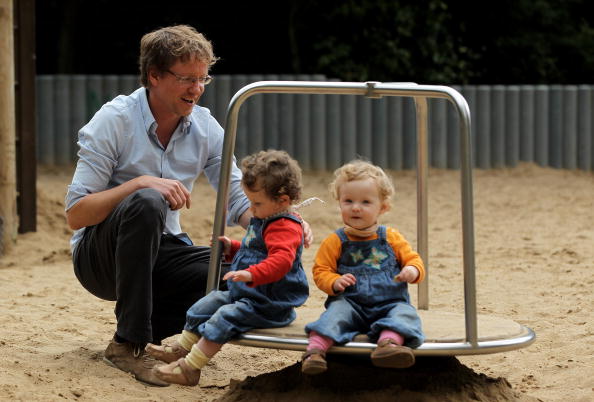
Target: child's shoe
x=314, y=362
x=166, y=353
x=391, y=355
x=178, y=372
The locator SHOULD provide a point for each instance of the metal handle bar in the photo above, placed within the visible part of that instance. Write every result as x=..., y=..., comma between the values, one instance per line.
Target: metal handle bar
x=372, y=89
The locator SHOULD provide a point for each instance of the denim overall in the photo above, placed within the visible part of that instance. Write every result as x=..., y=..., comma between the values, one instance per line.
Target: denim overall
x=375, y=302
x=222, y=315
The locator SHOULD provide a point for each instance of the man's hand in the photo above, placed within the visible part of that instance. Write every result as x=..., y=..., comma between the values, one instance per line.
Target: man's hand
x=176, y=194
x=343, y=282
x=407, y=274
x=95, y=207
x=244, y=219
x=238, y=276
x=307, y=234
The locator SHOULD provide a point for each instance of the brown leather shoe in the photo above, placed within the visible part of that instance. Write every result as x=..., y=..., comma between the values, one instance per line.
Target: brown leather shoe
x=314, y=362
x=178, y=372
x=133, y=359
x=166, y=353
x=391, y=355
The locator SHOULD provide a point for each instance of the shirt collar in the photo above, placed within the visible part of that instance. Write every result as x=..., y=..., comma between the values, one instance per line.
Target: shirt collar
x=186, y=124
x=150, y=124
x=147, y=115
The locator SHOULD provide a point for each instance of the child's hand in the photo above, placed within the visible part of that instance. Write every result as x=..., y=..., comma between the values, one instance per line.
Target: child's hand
x=343, y=282
x=407, y=274
x=238, y=276
x=226, y=244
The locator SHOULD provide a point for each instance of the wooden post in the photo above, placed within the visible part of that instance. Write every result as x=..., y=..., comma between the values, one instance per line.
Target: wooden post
x=7, y=128
x=25, y=121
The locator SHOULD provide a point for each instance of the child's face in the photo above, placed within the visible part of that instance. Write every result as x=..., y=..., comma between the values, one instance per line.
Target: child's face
x=262, y=206
x=360, y=203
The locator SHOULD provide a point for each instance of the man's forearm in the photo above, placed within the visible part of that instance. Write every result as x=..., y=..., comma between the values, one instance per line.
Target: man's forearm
x=94, y=208
x=244, y=219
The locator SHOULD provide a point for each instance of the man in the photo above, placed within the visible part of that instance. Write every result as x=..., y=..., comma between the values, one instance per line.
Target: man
x=139, y=157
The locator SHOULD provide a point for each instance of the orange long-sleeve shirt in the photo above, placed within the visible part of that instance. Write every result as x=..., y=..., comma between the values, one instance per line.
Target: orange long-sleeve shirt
x=325, y=264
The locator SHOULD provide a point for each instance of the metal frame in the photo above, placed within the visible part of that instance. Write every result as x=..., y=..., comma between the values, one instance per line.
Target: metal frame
x=426, y=349
x=420, y=93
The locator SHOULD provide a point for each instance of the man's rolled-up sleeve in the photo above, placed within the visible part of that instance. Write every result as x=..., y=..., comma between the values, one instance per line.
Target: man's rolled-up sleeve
x=237, y=201
x=97, y=155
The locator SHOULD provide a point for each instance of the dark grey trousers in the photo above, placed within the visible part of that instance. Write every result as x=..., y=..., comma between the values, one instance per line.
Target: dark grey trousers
x=153, y=277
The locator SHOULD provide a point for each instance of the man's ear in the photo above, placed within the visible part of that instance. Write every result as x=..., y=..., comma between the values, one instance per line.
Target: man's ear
x=154, y=76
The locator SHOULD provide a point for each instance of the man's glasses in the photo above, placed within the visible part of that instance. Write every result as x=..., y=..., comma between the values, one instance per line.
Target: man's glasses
x=191, y=81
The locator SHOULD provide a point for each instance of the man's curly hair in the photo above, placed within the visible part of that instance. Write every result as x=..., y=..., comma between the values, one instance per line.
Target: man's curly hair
x=162, y=48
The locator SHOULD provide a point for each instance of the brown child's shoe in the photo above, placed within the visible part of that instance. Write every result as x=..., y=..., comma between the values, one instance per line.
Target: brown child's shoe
x=391, y=355
x=166, y=353
x=132, y=358
x=314, y=362
x=178, y=372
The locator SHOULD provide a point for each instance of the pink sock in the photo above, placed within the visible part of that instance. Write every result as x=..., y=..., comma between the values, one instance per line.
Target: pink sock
x=317, y=341
x=389, y=334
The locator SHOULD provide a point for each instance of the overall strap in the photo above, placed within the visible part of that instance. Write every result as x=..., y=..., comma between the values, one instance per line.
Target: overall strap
x=341, y=235
x=382, y=232
x=288, y=215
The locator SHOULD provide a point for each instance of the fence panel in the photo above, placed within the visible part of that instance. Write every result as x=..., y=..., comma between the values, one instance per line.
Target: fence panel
x=512, y=125
x=438, y=127
x=585, y=127
x=549, y=125
x=570, y=122
x=541, y=125
x=556, y=126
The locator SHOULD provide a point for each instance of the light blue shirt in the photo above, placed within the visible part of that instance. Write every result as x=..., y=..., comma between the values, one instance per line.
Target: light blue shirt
x=120, y=143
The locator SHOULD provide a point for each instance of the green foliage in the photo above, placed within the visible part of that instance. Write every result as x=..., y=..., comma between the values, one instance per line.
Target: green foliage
x=429, y=41
x=440, y=41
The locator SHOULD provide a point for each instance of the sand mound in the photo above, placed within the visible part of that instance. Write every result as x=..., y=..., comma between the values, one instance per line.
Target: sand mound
x=432, y=379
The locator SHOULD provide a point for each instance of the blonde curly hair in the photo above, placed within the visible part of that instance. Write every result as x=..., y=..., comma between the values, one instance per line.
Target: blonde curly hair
x=360, y=170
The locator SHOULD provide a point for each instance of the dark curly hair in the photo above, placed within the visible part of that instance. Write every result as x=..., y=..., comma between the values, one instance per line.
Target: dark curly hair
x=273, y=171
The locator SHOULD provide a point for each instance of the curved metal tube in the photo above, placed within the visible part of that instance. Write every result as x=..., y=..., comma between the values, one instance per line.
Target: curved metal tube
x=375, y=90
x=426, y=349
x=422, y=199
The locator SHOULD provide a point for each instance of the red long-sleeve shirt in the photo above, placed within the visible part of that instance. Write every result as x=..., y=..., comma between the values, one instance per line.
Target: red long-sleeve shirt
x=282, y=238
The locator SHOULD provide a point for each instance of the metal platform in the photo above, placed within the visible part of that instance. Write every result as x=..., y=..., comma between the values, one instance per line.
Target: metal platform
x=446, y=333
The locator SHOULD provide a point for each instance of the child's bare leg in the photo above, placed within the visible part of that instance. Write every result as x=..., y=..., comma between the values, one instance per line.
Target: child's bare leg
x=390, y=351
x=314, y=359
x=186, y=370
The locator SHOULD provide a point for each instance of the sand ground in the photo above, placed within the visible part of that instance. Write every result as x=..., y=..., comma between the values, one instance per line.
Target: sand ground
x=534, y=231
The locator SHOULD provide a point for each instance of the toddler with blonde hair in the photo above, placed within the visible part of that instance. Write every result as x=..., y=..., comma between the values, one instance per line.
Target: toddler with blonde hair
x=365, y=267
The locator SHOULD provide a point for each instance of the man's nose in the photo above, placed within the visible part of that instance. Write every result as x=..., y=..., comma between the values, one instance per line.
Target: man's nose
x=197, y=88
